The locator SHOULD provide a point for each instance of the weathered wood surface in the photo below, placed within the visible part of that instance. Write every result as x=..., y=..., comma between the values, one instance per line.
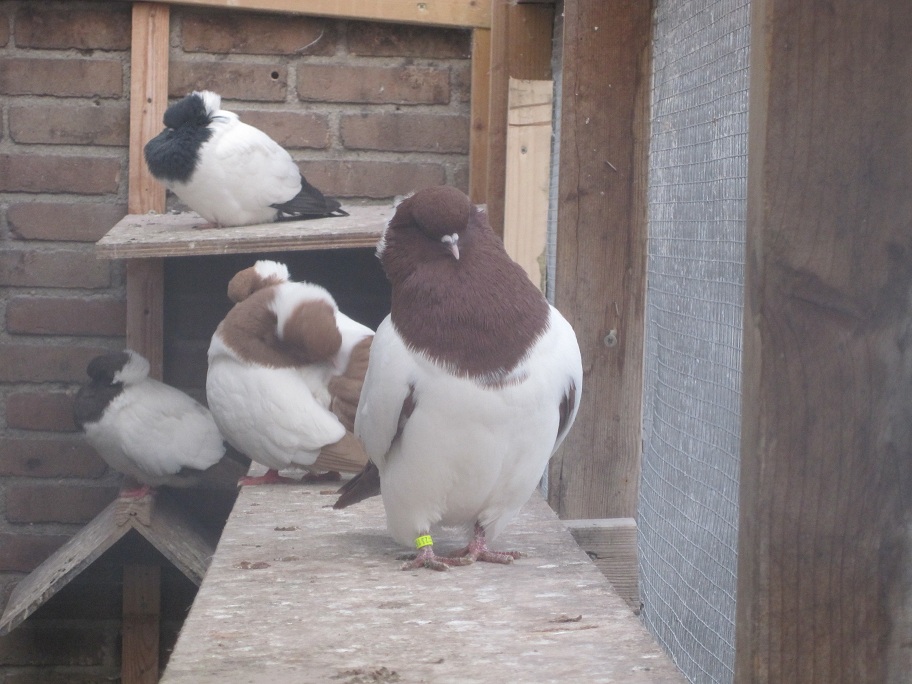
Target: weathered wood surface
x=451, y=13
x=825, y=542
x=601, y=250
x=611, y=543
x=174, y=235
x=298, y=592
x=141, y=624
x=157, y=518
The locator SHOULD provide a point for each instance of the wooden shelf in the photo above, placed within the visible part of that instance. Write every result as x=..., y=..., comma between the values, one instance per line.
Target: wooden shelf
x=140, y=236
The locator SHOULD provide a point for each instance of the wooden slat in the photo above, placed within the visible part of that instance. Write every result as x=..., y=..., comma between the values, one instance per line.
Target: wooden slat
x=148, y=100
x=298, y=592
x=174, y=235
x=521, y=37
x=145, y=284
x=454, y=13
x=601, y=240
x=141, y=624
x=480, y=111
x=528, y=175
x=612, y=545
x=825, y=543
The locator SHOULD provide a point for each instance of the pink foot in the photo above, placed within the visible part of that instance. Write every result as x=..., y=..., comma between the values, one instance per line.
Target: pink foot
x=478, y=550
x=331, y=476
x=136, y=492
x=271, y=477
x=426, y=558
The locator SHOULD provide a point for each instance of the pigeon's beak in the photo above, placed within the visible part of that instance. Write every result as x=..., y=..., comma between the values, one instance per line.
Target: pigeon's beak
x=452, y=243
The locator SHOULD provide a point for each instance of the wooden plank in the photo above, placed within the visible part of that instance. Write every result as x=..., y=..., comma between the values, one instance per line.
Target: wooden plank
x=528, y=175
x=298, y=587
x=521, y=37
x=148, y=100
x=141, y=624
x=145, y=284
x=601, y=250
x=174, y=235
x=453, y=13
x=480, y=106
x=611, y=543
x=825, y=543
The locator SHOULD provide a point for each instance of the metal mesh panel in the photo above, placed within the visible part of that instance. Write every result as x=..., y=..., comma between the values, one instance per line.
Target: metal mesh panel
x=688, y=512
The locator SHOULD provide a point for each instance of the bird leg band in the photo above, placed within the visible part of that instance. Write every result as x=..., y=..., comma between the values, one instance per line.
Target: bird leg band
x=423, y=540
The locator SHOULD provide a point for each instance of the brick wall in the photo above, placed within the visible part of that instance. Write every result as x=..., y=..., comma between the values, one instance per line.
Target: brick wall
x=368, y=110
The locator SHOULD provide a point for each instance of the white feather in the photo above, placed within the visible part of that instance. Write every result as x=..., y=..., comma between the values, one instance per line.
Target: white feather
x=271, y=269
x=468, y=452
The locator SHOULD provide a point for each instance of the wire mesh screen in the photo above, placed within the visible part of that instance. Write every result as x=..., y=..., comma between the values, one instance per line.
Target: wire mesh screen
x=688, y=512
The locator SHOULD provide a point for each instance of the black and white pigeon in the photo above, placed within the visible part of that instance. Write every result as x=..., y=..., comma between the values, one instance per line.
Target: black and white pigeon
x=147, y=430
x=472, y=384
x=285, y=374
x=229, y=172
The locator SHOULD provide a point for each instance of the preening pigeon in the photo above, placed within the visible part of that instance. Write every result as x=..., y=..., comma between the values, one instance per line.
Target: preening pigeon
x=145, y=429
x=285, y=373
x=230, y=173
x=472, y=384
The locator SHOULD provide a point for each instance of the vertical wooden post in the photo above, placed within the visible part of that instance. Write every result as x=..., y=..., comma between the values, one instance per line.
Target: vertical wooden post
x=825, y=540
x=521, y=38
x=148, y=101
x=478, y=133
x=141, y=624
x=601, y=250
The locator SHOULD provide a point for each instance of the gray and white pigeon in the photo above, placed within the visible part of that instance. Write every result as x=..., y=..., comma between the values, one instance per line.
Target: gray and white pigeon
x=285, y=374
x=145, y=429
x=229, y=172
x=472, y=384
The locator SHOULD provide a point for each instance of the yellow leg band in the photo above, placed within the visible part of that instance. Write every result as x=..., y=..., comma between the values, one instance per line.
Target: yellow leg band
x=423, y=540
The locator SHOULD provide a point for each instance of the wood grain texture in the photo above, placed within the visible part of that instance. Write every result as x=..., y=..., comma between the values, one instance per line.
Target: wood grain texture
x=479, y=114
x=145, y=284
x=825, y=545
x=455, y=13
x=601, y=251
x=521, y=37
x=297, y=587
x=148, y=100
x=611, y=543
x=528, y=175
x=141, y=624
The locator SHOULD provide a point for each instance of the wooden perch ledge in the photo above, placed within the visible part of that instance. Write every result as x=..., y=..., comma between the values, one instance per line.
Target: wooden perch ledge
x=299, y=592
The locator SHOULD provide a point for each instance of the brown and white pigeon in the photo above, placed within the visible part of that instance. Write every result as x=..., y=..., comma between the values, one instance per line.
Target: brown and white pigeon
x=285, y=373
x=149, y=431
x=473, y=382
x=229, y=172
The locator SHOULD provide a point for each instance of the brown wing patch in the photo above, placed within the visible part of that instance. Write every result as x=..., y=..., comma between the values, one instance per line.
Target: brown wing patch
x=346, y=388
x=246, y=282
x=310, y=333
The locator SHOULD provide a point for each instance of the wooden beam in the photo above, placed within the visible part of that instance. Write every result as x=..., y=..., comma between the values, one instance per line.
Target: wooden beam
x=825, y=543
x=145, y=284
x=601, y=250
x=528, y=175
x=148, y=101
x=521, y=37
x=611, y=543
x=452, y=13
x=480, y=111
x=141, y=624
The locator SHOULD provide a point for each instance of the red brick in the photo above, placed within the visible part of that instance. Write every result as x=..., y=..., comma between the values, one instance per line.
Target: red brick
x=292, y=130
x=4, y=30
x=25, y=552
x=66, y=316
x=56, y=503
x=59, y=173
x=59, y=268
x=257, y=34
x=49, y=644
x=406, y=132
x=53, y=27
x=231, y=80
x=397, y=85
x=461, y=83
x=46, y=362
x=402, y=40
x=375, y=180
x=81, y=222
x=61, y=77
x=50, y=411
x=89, y=124
x=38, y=457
